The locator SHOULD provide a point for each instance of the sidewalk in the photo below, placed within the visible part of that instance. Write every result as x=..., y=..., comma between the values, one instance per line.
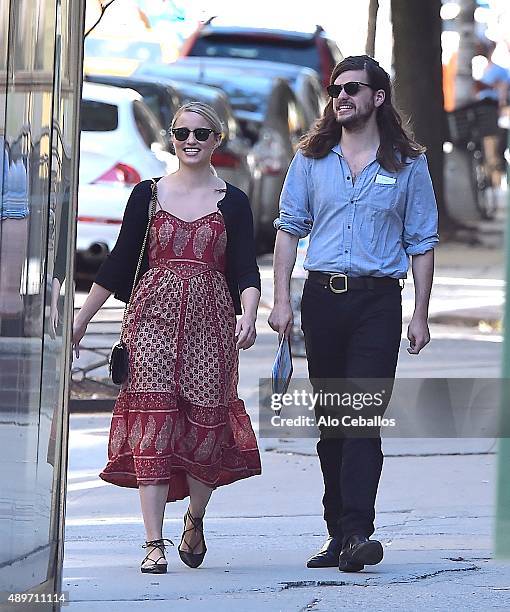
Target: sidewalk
x=434, y=520
x=483, y=270
x=434, y=517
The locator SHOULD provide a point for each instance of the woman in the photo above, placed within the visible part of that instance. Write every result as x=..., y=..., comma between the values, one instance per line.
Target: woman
x=178, y=427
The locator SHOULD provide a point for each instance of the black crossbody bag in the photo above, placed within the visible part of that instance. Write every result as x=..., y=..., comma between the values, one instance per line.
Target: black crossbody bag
x=119, y=357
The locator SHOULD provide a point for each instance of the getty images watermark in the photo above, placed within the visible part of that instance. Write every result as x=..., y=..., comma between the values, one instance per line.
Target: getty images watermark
x=322, y=401
x=402, y=408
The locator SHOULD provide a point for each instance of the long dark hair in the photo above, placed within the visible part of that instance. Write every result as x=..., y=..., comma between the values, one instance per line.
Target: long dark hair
x=395, y=139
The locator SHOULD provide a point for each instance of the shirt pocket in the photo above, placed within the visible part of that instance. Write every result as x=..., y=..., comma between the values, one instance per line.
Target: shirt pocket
x=383, y=197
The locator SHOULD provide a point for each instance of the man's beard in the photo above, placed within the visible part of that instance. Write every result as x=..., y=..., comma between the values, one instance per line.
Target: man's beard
x=358, y=120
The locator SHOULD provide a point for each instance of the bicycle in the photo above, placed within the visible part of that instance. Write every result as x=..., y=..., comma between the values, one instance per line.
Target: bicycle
x=468, y=125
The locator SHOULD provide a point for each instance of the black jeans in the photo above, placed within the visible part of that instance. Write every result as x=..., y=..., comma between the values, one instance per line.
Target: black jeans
x=350, y=335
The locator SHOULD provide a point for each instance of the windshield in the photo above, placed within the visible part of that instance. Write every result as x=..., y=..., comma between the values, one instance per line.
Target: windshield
x=300, y=52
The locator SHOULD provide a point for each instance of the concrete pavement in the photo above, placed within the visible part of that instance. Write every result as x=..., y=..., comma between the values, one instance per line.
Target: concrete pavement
x=434, y=520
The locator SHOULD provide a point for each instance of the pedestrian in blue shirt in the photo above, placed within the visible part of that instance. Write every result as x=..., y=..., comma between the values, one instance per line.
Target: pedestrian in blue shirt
x=494, y=85
x=495, y=80
x=360, y=187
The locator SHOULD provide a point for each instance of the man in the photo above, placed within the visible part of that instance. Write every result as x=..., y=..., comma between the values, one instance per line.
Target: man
x=361, y=188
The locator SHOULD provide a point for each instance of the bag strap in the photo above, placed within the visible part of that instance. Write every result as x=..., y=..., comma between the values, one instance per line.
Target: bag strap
x=152, y=209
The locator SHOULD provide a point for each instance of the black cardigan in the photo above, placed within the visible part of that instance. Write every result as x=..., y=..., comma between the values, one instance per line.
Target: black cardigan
x=117, y=272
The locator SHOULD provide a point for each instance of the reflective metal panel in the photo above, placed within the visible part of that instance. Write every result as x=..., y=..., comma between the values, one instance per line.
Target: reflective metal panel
x=40, y=86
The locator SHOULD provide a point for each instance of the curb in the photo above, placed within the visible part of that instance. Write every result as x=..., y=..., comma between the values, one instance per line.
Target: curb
x=471, y=317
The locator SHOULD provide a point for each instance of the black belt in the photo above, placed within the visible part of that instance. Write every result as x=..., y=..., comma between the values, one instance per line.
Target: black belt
x=340, y=283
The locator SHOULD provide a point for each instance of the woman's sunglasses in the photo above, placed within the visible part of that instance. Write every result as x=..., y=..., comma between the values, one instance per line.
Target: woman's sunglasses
x=201, y=134
x=351, y=88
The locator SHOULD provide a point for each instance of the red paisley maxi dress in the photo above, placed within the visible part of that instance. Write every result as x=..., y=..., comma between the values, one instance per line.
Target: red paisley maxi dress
x=178, y=412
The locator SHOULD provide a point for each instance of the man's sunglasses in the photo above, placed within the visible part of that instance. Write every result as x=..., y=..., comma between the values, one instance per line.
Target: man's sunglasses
x=351, y=88
x=201, y=134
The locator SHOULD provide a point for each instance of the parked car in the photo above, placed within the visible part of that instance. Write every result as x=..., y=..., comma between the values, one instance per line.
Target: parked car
x=216, y=38
x=121, y=144
x=304, y=82
x=272, y=119
x=162, y=99
x=120, y=137
x=100, y=211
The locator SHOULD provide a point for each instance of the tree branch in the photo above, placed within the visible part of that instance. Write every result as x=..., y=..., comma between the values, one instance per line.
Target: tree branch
x=103, y=9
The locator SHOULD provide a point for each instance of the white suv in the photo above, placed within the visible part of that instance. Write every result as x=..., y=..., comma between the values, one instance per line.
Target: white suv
x=121, y=144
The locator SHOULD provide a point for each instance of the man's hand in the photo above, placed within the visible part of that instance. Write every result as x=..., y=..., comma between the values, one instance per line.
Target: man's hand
x=417, y=334
x=281, y=319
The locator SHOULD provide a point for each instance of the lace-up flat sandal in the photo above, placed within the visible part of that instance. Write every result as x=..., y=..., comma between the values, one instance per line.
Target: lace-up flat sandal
x=193, y=559
x=158, y=566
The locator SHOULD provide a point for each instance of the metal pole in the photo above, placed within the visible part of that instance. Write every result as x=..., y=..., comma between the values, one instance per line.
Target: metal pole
x=502, y=531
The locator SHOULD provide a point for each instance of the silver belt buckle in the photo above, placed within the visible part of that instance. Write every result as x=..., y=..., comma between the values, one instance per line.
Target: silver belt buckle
x=338, y=275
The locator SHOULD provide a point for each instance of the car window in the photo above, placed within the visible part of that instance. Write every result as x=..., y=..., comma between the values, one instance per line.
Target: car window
x=151, y=98
x=147, y=125
x=313, y=99
x=98, y=116
x=162, y=109
x=244, y=93
x=299, y=52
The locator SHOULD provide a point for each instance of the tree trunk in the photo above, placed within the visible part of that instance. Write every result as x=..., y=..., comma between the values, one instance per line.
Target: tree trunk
x=419, y=84
x=373, y=8
x=465, y=22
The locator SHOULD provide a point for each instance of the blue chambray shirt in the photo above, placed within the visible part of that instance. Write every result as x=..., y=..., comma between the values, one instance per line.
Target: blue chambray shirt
x=369, y=228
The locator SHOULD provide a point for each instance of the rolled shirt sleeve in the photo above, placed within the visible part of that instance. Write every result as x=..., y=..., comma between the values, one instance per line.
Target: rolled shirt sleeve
x=295, y=216
x=420, y=220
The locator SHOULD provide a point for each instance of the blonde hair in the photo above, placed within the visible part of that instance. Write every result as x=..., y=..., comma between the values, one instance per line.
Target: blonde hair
x=208, y=113
x=205, y=111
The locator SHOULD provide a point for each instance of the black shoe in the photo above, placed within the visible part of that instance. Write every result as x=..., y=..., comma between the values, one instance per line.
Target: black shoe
x=159, y=566
x=328, y=555
x=359, y=551
x=193, y=559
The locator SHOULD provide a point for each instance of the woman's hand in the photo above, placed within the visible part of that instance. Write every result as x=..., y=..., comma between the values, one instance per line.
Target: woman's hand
x=79, y=330
x=245, y=331
x=95, y=299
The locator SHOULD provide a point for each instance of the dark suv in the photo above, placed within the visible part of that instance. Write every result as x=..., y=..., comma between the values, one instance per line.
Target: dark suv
x=312, y=49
